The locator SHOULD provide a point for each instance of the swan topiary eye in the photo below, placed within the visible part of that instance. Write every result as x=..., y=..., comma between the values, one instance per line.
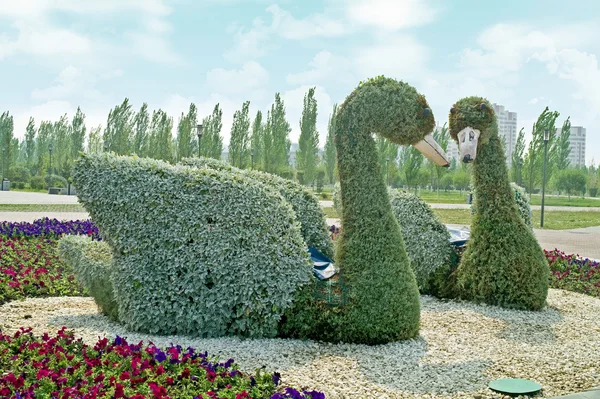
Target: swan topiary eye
x=453, y=110
x=483, y=106
x=426, y=112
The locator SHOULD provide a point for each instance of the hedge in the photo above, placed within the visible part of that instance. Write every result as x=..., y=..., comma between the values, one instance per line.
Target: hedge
x=503, y=264
x=91, y=262
x=305, y=204
x=195, y=251
x=522, y=204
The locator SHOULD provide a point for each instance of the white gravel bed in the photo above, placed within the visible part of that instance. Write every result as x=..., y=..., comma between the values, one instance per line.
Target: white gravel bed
x=462, y=346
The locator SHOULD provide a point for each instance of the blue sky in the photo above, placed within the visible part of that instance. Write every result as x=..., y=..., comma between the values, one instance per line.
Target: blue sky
x=58, y=54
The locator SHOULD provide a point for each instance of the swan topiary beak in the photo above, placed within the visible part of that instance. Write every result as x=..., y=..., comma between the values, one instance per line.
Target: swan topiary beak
x=432, y=151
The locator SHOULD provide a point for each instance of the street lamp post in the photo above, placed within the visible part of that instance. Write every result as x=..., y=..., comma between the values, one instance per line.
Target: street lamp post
x=546, y=139
x=252, y=158
x=387, y=171
x=3, y=160
x=199, y=132
x=50, y=149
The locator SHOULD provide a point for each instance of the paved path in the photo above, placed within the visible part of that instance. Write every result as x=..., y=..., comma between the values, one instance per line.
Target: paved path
x=593, y=393
x=21, y=197
x=585, y=241
x=31, y=216
x=327, y=204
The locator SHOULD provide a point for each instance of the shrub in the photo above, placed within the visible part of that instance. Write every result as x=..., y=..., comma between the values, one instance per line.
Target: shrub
x=383, y=297
x=55, y=181
x=19, y=185
x=336, y=197
x=593, y=191
x=19, y=174
x=37, y=183
x=195, y=251
x=426, y=239
x=91, y=262
x=305, y=204
x=63, y=366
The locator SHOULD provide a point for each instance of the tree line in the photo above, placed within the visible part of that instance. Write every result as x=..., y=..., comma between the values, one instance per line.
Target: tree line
x=263, y=143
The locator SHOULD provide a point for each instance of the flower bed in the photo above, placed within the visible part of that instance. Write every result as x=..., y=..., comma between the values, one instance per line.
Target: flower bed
x=49, y=228
x=574, y=273
x=30, y=267
x=64, y=367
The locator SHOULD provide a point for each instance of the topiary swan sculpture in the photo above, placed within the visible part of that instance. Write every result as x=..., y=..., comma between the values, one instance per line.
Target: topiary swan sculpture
x=503, y=263
x=383, y=299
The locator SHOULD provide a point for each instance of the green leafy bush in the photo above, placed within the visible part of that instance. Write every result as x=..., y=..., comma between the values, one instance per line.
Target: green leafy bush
x=305, y=204
x=19, y=174
x=91, y=262
x=195, y=251
x=383, y=297
x=426, y=239
x=503, y=264
x=55, y=181
x=37, y=183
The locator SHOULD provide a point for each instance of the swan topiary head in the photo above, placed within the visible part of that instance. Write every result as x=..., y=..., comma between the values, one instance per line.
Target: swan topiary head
x=472, y=121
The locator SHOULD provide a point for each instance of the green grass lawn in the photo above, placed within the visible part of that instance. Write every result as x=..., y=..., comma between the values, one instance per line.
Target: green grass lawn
x=553, y=220
x=41, y=208
x=456, y=197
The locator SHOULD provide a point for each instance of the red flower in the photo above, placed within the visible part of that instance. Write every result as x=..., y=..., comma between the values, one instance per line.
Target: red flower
x=124, y=376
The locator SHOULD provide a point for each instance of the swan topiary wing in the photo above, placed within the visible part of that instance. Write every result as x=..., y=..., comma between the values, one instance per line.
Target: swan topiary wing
x=195, y=251
x=305, y=204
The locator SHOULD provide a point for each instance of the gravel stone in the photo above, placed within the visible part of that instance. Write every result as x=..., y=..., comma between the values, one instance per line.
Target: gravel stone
x=462, y=346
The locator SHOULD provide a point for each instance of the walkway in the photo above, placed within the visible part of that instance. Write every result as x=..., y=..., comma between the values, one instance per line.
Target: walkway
x=327, y=204
x=22, y=197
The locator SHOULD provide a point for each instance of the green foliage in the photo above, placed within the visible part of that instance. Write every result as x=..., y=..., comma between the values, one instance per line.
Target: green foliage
x=118, y=131
x=308, y=143
x=95, y=143
x=305, y=204
x=426, y=239
x=37, y=183
x=276, y=138
x=211, y=144
x=91, y=262
x=518, y=161
x=185, y=139
x=535, y=153
x=55, y=181
x=77, y=135
x=563, y=146
x=330, y=152
x=19, y=174
x=522, y=204
x=239, y=143
x=412, y=161
x=161, y=136
x=6, y=139
x=383, y=297
x=503, y=264
x=30, y=132
x=256, y=140
x=195, y=251
x=141, y=124
x=571, y=181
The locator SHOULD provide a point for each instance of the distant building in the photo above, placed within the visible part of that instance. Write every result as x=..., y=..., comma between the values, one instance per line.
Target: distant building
x=507, y=129
x=452, y=149
x=576, y=145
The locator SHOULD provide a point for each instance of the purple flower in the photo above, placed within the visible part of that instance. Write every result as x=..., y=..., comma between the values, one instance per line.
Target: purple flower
x=276, y=377
x=160, y=356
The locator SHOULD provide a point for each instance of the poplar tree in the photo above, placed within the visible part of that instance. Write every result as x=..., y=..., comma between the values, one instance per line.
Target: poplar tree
x=77, y=133
x=211, y=144
x=118, y=131
x=239, y=140
x=518, y=161
x=308, y=143
x=141, y=123
x=279, y=131
x=185, y=139
x=30, y=144
x=256, y=140
x=330, y=152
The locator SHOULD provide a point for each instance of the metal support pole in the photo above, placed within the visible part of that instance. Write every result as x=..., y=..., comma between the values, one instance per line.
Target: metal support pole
x=544, y=178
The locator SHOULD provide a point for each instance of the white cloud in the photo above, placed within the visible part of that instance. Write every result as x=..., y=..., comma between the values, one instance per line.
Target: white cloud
x=254, y=42
x=249, y=77
x=401, y=57
x=324, y=66
x=39, y=7
x=153, y=48
x=533, y=101
x=391, y=14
